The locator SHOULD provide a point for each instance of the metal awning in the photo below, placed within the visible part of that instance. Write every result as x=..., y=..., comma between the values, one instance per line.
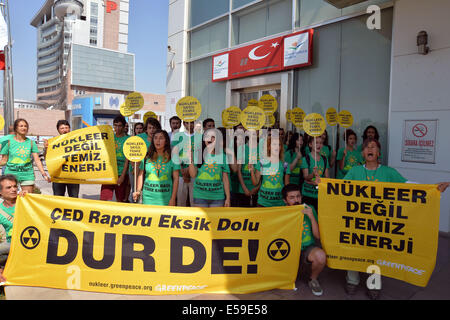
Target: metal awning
x=343, y=3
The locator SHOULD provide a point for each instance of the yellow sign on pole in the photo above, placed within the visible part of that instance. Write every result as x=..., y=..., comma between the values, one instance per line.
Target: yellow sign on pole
x=135, y=149
x=133, y=103
x=231, y=116
x=345, y=118
x=288, y=115
x=253, y=118
x=189, y=109
x=149, y=114
x=332, y=117
x=297, y=117
x=268, y=103
x=314, y=124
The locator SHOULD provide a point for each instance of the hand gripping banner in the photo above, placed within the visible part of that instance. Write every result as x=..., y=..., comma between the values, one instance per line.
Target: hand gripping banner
x=97, y=246
x=392, y=226
x=84, y=156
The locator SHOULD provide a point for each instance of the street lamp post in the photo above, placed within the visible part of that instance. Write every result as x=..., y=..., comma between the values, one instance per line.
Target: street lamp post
x=8, y=89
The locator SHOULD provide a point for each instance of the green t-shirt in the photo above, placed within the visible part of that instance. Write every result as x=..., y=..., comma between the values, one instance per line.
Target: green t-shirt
x=325, y=151
x=4, y=139
x=272, y=183
x=8, y=225
x=144, y=136
x=245, y=172
x=381, y=174
x=180, y=140
x=19, y=159
x=295, y=175
x=307, y=235
x=157, y=188
x=353, y=159
x=309, y=190
x=209, y=181
x=120, y=141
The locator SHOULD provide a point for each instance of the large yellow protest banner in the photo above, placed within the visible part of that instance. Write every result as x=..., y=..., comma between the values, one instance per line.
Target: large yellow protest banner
x=118, y=248
x=85, y=156
x=392, y=226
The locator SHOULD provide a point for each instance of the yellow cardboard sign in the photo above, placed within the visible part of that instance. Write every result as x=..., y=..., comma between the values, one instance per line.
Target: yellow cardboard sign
x=133, y=103
x=345, y=119
x=297, y=117
x=268, y=103
x=188, y=109
x=253, y=118
x=231, y=116
x=253, y=103
x=270, y=120
x=2, y=122
x=314, y=124
x=85, y=156
x=133, y=249
x=288, y=115
x=149, y=114
x=390, y=226
x=135, y=149
x=332, y=117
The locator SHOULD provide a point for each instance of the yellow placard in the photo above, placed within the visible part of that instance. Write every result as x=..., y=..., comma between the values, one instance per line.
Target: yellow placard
x=85, y=156
x=390, y=226
x=253, y=118
x=253, y=103
x=332, y=117
x=134, y=249
x=149, y=114
x=2, y=122
x=297, y=117
x=288, y=115
x=188, y=109
x=268, y=103
x=345, y=119
x=133, y=103
x=231, y=116
x=270, y=120
x=314, y=124
x=135, y=149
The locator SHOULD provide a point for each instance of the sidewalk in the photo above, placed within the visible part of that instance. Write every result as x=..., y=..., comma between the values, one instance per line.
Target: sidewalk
x=332, y=281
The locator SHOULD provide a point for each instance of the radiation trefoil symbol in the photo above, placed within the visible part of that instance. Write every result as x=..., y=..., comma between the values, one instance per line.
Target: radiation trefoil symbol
x=30, y=238
x=278, y=249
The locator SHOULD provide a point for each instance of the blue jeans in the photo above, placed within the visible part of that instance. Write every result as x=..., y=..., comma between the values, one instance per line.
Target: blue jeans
x=205, y=203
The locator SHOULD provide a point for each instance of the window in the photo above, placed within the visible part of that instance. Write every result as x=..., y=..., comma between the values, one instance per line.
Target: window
x=209, y=38
x=204, y=10
x=262, y=20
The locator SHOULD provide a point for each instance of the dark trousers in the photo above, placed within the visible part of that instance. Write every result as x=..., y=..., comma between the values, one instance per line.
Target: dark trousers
x=59, y=189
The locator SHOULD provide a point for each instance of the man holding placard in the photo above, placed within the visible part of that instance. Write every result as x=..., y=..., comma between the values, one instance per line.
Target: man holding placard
x=107, y=190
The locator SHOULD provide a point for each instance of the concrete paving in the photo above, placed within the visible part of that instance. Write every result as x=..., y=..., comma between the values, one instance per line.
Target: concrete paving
x=332, y=281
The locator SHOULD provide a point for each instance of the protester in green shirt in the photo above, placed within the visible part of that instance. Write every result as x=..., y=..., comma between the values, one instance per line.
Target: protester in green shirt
x=370, y=132
x=269, y=174
x=293, y=158
x=212, y=184
x=160, y=173
x=19, y=154
x=348, y=156
x=311, y=253
x=326, y=150
x=107, y=190
x=372, y=170
x=313, y=167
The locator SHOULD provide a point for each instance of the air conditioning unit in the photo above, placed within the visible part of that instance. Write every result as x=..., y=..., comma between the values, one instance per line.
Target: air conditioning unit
x=343, y=3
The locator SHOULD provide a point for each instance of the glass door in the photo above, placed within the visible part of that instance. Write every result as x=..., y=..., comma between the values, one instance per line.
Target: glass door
x=256, y=93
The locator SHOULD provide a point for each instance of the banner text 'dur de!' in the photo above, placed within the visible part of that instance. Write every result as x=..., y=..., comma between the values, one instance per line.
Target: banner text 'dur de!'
x=393, y=226
x=84, y=156
x=108, y=247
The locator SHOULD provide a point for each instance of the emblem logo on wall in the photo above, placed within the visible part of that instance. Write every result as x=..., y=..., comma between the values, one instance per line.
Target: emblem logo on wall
x=114, y=101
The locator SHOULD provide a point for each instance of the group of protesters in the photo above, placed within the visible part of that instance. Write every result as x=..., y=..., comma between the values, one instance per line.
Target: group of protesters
x=202, y=166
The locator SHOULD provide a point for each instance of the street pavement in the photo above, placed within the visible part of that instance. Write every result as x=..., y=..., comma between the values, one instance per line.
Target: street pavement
x=332, y=281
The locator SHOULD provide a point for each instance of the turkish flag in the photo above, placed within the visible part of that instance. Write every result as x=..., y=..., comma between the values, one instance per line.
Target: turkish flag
x=2, y=60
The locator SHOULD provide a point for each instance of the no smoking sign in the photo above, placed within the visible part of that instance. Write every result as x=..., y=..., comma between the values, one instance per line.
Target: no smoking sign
x=420, y=130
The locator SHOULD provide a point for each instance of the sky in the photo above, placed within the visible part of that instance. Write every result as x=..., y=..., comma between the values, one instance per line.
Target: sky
x=147, y=39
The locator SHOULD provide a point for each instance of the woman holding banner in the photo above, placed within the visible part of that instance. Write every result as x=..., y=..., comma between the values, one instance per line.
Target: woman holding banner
x=160, y=173
x=19, y=154
x=269, y=174
x=314, y=165
x=372, y=170
x=212, y=184
x=348, y=157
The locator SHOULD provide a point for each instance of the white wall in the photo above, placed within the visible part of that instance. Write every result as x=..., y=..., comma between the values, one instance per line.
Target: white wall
x=420, y=89
x=177, y=40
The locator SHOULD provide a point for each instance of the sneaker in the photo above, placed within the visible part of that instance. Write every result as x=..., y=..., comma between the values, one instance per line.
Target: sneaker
x=315, y=287
x=350, y=288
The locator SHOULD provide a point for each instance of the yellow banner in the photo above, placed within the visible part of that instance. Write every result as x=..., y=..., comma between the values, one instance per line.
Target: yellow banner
x=85, y=156
x=108, y=247
x=392, y=226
